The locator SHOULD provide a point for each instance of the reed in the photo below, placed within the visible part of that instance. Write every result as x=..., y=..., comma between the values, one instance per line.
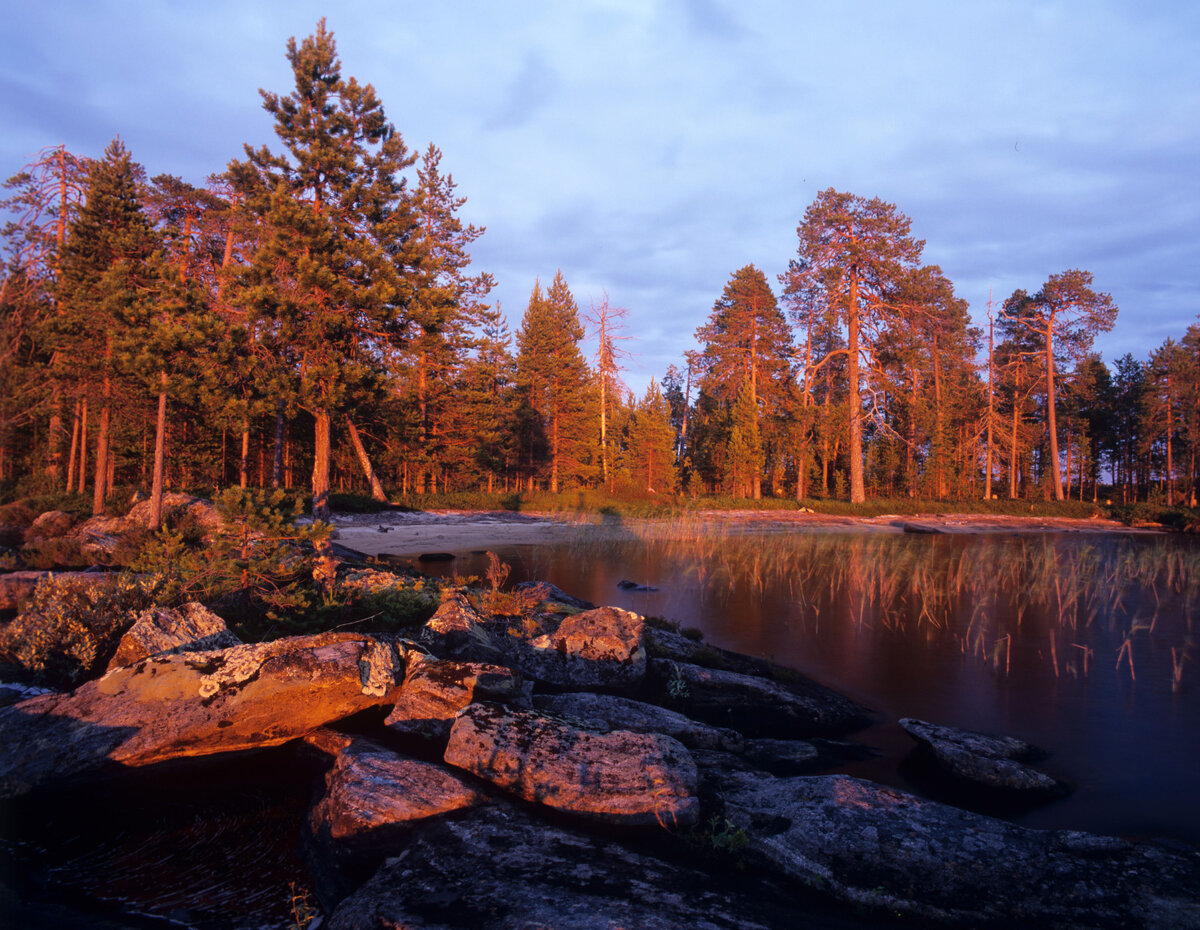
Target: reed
x=1086, y=591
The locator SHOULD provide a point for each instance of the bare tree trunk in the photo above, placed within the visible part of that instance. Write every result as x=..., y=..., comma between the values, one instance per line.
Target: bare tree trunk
x=100, y=491
x=377, y=492
x=74, y=449
x=991, y=404
x=160, y=446
x=858, y=493
x=83, y=427
x=243, y=476
x=1052, y=416
x=320, y=473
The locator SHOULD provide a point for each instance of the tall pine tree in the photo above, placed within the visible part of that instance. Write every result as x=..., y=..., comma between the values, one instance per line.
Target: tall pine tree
x=336, y=214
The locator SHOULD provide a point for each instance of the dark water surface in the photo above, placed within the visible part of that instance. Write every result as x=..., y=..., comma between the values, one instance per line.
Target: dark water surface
x=1085, y=645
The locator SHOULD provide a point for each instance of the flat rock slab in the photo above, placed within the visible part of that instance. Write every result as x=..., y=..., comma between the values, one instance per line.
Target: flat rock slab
x=609, y=712
x=502, y=870
x=189, y=628
x=994, y=762
x=435, y=690
x=756, y=707
x=885, y=849
x=372, y=795
x=195, y=704
x=619, y=778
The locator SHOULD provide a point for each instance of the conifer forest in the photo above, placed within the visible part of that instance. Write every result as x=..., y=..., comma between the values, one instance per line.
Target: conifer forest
x=311, y=318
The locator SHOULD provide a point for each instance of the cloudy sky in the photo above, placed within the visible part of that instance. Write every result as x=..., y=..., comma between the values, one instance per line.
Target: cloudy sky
x=649, y=148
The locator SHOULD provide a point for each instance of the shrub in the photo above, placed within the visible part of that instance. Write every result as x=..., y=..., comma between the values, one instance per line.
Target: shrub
x=72, y=627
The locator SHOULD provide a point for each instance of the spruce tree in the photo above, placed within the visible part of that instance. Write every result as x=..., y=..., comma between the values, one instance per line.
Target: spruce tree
x=650, y=451
x=336, y=214
x=747, y=347
x=554, y=378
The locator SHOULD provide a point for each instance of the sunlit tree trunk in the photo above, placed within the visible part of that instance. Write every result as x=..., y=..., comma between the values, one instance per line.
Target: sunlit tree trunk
x=320, y=473
x=160, y=445
x=377, y=492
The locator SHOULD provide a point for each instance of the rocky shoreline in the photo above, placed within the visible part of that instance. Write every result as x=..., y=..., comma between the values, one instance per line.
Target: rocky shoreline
x=575, y=767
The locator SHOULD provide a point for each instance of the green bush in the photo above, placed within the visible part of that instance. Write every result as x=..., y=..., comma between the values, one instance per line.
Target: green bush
x=71, y=627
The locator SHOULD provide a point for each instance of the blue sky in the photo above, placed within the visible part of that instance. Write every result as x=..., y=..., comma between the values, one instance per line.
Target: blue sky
x=650, y=149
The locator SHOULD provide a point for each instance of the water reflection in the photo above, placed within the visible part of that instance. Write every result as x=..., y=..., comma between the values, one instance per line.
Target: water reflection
x=1084, y=644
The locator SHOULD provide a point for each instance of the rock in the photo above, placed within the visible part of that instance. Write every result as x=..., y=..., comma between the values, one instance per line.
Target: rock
x=608, y=712
x=922, y=529
x=13, y=693
x=372, y=796
x=994, y=762
x=884, y=849
x=436, y=557
x=503, y=870
x=50, y=525
x=556, y=594
x=457, y=631
x=635, y=587
x=619, y=778
x=756, y=707
x=435, y=690
x=190, y=628
x=783, y=756
x=602, y=648
x=175, y=508
x=18, y=587
x=100, y=536
x=194, y=704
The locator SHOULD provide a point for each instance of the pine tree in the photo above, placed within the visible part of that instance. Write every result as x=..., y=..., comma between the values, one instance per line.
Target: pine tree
x=336, y=215
x=1064, y=316
x=105, y=285
x=554, y=379
x=855, y=251
x=46, y=196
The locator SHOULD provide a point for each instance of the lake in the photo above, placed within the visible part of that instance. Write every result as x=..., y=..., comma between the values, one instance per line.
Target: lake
x=1083, y=644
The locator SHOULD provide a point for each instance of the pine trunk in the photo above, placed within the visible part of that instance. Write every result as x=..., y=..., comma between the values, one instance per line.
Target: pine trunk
x=320, y=472
x=377, y=492
x=1051, y=415
x=243, y=459
x=858, y=493
x=160, y=446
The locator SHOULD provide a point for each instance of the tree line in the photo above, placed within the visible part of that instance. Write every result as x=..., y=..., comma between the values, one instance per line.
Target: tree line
x=313, y=311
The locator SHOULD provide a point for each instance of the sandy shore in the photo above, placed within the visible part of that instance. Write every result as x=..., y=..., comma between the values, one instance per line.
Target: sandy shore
x=409, y=534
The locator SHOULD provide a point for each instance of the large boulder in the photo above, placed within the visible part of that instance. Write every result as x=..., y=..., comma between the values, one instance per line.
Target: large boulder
x=993, y=762
x=503, y=870
x=609, y=712
x=373, y=796
x=604, y=647
x=435, y=690
x=189, y=628
x=754, y=706
x=176, y=507
x=194, y=704
x=50, y=525
x=885, y=849
x=100, y=537
x=618, y=778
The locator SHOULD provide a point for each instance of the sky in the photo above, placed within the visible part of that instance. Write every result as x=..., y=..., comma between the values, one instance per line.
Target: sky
x=650, y=148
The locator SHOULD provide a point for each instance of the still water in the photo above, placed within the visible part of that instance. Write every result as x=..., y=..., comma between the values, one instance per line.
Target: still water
x=1082, y=644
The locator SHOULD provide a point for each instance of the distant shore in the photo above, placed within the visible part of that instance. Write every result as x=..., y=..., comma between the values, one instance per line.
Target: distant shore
x=400, y=533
